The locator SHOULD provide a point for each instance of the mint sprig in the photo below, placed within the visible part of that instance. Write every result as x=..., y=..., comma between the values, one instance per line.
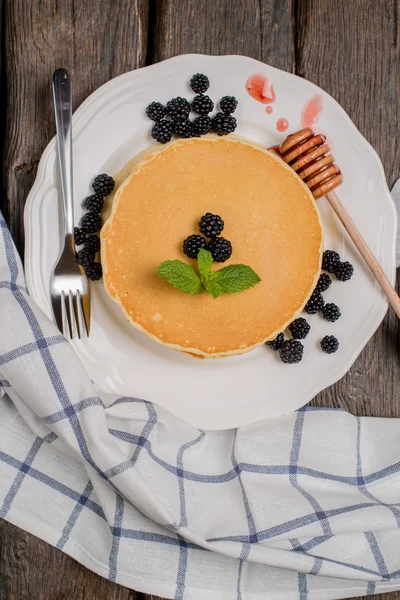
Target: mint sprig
x=229, y=280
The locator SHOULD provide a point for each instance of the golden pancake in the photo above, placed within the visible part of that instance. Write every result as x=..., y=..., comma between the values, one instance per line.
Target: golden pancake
x=270, y=217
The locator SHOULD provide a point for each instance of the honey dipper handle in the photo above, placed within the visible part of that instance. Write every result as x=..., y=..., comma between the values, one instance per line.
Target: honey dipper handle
x=365, y=251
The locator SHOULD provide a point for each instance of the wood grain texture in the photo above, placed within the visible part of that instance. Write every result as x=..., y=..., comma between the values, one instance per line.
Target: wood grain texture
x=350, y=48
x=94, y=40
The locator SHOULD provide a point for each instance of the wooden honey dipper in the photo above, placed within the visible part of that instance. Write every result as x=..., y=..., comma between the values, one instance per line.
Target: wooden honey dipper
x=309, y=155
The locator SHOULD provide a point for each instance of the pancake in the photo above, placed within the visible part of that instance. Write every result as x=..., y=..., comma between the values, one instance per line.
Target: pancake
x=270, y=217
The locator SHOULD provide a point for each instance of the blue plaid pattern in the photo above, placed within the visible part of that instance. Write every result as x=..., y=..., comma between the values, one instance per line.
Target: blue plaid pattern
x=149, y=502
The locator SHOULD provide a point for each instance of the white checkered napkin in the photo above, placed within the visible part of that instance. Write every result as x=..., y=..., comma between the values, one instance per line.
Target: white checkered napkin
x=302, y=506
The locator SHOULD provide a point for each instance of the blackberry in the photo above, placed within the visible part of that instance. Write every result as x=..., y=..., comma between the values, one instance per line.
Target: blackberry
x=183, y=129
x=330, y=260
x=85, y=256
x=91, y=222
x=223, y=124
x=277, y=342
x=94, y=271
x=92, y=243
x=299, y=329
x=178, y=109
x=193, y=244
x=315, y=303
x=291, y=351
x=79, y=236
x=211, y=225
x=103, y=184
x=199, y=83
x=329, y=344
x=324, y=282
x=162, y=131
x=220, y=248
x=331, y=312
x=202, y=104
x=201, y=125
x=228, y=104
x=95, y=203
x=344, y=271
x=156, y=111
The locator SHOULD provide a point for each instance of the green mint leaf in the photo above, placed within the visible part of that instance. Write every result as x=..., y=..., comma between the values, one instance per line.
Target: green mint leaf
x=204, y=263
x=181, y=276
x=236, y=278
x=212, y=286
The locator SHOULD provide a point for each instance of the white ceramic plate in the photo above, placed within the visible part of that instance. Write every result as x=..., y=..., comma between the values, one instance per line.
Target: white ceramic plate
x=109, y=128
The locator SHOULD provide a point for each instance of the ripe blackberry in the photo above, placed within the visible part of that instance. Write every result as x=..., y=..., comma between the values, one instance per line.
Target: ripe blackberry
x=211, y=225
x=291, y=351
x=79, y=236
x=156, y=111
x=91, y=222
x=315, y=303
x=223, y=124
x=329, y=344
x=277, y=342
x=228, y=104
x=162, y=131
x=331, y=312
x=299, y=329
x=202, y=104
x=95, y=203
x=92, y=243
x=201, y=125
x=199, y=83
x=183, y=129
x=220, y=248
x=344, y=271
x=103, y=184
x=193, y=244
x=330, y=260
x=324, y=282
x=178, y=109
x=94, y=271
x=85, y=256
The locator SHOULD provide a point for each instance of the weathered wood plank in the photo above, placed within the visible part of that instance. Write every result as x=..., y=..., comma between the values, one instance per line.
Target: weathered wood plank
x=93, y=40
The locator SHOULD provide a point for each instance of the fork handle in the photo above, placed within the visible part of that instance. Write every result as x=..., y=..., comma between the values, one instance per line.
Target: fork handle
x=63, y=114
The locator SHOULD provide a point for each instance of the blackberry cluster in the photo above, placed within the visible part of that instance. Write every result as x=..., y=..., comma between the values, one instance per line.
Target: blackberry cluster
x=228, y=104
x=324, y=282
x=329, y=344
x=291, y=351
x=95, y=202
x=103, y=184
x=220, y=248
x=193, y=244
x=315, y=303
x=299, y=329
x=199, y=83
x=162, y=131
x=156, y=111
x=277, y=343
x=330, y=260
x=174, y=117
x=344, y=271
x=223, y=124
x=211, y=225
x=331, y=312
x=202, y=104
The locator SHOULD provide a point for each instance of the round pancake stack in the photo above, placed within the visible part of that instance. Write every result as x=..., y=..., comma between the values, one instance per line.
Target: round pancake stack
x=270, y=218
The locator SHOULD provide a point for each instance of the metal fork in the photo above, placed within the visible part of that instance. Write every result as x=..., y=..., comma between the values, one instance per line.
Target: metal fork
x=69, y=287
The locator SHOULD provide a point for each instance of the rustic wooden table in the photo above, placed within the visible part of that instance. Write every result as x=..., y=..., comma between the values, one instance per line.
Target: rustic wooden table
x=351, y=48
